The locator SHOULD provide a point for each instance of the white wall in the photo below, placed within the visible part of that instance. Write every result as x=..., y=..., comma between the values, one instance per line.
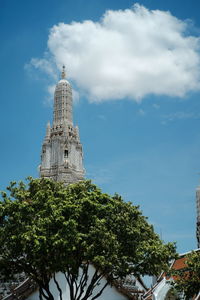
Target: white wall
x=110, y=293
x=161, y=290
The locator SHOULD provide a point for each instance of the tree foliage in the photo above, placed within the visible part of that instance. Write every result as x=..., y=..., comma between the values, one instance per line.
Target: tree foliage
x=46, y=227
x=187, y=280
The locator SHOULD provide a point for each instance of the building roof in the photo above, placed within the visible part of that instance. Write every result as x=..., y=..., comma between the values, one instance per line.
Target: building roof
x=177, y=264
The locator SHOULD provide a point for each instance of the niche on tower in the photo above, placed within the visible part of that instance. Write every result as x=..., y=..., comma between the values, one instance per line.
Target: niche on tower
x=66, y=153
x=66, y=150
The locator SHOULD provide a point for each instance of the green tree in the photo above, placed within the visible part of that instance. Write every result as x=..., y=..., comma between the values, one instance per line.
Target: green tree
x=46, y=227
x=187, y=280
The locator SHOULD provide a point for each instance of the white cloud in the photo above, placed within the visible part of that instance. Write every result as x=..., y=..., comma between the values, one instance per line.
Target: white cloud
x=156, y=106
x=100, y=175
x=50, y=94
x=45, y=65
x=141, y=112
x=128, y=53
x=102, y=117
x=180, y=115
x=76, y=96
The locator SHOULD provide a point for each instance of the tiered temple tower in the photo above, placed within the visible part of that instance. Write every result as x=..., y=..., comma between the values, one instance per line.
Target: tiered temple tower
x=198, y=215
x=62, y=156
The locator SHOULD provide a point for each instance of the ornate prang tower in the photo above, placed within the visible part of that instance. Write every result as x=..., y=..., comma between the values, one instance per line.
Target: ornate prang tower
x=198, y=215
x=62, y=156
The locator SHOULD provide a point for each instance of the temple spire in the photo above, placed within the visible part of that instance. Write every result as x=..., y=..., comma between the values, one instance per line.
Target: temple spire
x=63, y=74
x=62, y=155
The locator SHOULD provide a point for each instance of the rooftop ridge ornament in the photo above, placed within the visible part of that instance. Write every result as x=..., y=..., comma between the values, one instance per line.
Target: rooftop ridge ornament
x=63, y=74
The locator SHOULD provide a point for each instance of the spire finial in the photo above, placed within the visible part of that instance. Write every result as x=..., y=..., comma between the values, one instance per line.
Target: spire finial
x=63, y=74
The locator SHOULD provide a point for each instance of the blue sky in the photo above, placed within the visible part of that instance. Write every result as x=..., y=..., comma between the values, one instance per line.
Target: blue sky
x=140, y=127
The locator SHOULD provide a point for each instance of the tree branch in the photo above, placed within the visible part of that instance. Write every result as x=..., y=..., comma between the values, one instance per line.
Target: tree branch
x=83, y=281
x=40, y=294
x=101, y=291
x=69, y=281
x=57, y=285
x=90, y=288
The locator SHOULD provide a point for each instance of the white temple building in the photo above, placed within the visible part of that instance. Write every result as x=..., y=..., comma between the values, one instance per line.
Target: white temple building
x=62, y=155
